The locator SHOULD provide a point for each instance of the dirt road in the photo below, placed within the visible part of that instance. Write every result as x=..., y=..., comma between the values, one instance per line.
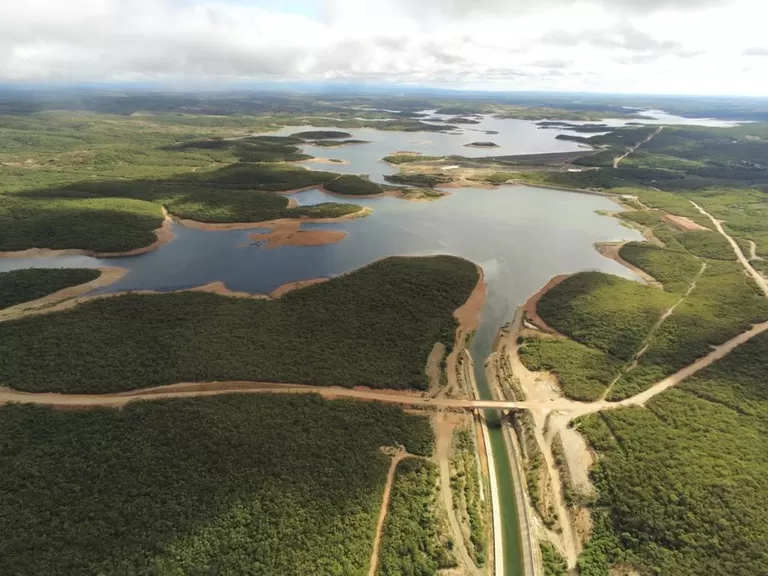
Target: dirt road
x=396, y=459
x=655, y=328
x=635, y=148
x=758, y=278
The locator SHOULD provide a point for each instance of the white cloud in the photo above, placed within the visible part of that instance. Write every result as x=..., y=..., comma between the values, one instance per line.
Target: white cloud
x=618, y=45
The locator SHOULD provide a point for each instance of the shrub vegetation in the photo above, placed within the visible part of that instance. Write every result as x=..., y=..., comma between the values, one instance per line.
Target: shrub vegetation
x=20, y=286
x=683, y=483
x=373, y=327
x=241, y=484
x=411, y=542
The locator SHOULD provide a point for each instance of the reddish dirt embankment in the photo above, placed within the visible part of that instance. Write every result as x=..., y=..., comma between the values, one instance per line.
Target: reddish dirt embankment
x=531, y=306
x=685, y=224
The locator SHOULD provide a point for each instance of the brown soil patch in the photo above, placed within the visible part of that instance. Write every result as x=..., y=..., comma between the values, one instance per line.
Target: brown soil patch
x=220, y=289
x=579, y=460
x=433, y=365
x=289, y=233
x=530, y=307
x=324, y=161
x=582, y=525
x=468, y=314
x=291, y=286
x=685, y=224
x=612, y=250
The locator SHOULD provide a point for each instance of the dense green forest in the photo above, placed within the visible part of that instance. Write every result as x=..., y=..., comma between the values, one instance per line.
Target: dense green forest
x=231, y=485
x=412, y=543
x=20, y=286
x=604, y=312
x=420, y=180
x=724, y=303
x=675, y=269
x=683, y=484
x=373, y=327
x=613, y=318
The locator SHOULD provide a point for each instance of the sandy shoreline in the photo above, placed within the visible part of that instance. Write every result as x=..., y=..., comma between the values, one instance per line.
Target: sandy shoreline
x=108, y=276
x=612, y=250
x=531, y=305
x=283, y=231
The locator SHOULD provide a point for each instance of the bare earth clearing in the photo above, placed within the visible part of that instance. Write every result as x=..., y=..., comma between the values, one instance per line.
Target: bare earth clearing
x=288, y=232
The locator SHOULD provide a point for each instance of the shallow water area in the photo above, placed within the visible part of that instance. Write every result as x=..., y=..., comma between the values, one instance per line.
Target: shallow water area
x=515, y=137
x=521, y=235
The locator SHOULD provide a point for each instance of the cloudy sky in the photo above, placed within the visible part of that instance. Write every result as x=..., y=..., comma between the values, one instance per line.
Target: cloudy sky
x=655, y=46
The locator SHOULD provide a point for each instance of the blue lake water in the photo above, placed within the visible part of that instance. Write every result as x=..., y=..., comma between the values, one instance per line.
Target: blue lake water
x=515, y=137
x=521, y=235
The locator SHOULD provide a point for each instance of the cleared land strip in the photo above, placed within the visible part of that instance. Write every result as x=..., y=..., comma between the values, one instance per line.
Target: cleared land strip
x=396, y=459
x=617, y=162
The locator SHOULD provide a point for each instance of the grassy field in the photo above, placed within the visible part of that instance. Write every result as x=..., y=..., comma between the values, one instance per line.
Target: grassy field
x=20, y=286
x=272, y=485
x=412, y=541
x=682, y=484
x=373, y=327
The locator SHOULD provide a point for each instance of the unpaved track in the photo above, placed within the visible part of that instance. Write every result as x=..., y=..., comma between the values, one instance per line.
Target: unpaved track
x=566, y=536
x=761, y=281
x=655, y=328
x=396, y=459
x=444, y=428
x=617, y=162
x=189, y=390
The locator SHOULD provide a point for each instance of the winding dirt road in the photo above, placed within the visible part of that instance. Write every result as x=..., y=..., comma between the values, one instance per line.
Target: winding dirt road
x=758, y=278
